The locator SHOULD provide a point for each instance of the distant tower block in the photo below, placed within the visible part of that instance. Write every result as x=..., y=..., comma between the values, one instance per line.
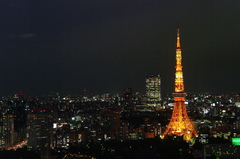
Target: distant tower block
x=153, y=90
x=180, y=124
x=127, y=96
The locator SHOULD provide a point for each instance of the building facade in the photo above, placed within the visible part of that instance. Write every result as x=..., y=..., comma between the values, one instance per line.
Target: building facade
x=39, y=130
x=153, y=90
x=8, y=138
x=127, y=97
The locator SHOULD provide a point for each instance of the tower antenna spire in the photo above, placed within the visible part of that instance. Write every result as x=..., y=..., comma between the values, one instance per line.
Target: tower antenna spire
x=178, y=37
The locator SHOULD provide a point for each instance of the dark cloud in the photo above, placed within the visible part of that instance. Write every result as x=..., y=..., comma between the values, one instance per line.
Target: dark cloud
x=28, y=35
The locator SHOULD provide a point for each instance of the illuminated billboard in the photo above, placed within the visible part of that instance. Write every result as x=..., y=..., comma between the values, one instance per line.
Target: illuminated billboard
x=236, y=141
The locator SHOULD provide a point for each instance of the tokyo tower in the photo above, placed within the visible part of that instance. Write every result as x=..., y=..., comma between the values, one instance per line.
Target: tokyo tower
x=180, y=124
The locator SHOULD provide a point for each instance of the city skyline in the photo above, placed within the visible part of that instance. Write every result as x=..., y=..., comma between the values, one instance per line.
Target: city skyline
x=107, y=46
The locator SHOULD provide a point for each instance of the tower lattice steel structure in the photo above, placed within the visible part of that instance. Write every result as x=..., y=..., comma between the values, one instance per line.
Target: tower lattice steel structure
x=180, y=124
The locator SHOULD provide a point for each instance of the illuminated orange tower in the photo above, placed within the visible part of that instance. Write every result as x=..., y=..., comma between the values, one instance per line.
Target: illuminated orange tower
x=180, y=124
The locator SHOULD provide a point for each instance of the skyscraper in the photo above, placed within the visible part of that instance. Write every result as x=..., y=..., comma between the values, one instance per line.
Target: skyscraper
x=180, y=124
x=127, y=97
x=153, y=90
x=39, y=130
x=8, y=130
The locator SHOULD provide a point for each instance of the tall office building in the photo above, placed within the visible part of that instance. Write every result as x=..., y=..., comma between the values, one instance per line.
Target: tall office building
x=153, y=90
x=17, y=107
x=8, y=131
x=39, y=128
x=127, y=97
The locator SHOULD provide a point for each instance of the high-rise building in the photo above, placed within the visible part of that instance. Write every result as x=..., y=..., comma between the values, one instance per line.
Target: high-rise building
x=153, y=90
x=17, y=107
x=8, y=131
x=39, y=128
x=180, y=124
x=127, y=97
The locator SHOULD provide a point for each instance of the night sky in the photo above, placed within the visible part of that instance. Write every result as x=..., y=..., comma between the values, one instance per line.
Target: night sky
x=107, y=45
